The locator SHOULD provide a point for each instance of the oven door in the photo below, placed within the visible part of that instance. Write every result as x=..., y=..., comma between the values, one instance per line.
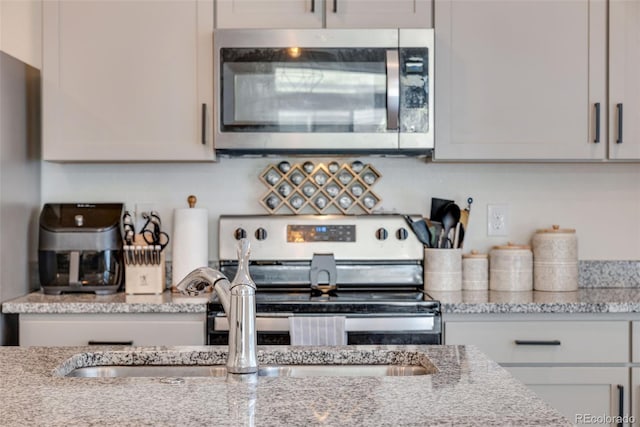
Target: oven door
x=323, y=90
x=361, y=330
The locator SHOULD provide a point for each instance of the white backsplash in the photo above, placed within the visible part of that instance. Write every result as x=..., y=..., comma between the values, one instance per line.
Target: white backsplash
x=601, y=201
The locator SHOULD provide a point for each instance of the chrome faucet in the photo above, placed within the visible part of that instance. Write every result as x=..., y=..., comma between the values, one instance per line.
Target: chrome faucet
x=238, y=299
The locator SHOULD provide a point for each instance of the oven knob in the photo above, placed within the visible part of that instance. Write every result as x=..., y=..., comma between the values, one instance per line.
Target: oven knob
x=240, y=233
x=402, y=234
x=381, y=234
x=261, y=233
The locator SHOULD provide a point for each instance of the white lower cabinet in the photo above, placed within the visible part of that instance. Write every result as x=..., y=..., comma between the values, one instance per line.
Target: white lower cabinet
x=585, y=395
x=138, y=329
x=579, y=367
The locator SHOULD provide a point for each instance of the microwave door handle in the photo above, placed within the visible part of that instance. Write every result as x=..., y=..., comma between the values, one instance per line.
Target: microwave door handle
x=393, y=89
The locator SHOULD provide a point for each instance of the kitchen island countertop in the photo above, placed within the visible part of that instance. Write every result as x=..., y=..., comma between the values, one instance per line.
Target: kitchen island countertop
x=465, y=388
x=586, y=300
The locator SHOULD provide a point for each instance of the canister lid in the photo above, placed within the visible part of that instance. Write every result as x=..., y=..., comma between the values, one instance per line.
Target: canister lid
x=474, y=254
x=556, y=229
x=512, y=246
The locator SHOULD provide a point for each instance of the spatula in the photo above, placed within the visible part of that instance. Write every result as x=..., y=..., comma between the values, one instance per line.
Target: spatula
x=420, y=229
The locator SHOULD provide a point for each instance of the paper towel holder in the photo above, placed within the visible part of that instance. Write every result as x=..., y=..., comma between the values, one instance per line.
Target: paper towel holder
x=192, y=200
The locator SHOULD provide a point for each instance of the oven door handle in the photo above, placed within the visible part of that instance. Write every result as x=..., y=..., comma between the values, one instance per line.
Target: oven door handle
x=393, y=89
x=353, y=324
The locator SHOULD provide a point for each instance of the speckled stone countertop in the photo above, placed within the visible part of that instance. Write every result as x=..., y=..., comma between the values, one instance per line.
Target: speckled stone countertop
x=167, y=302
x=592, y=300
x=465, y=388
x=595, y=300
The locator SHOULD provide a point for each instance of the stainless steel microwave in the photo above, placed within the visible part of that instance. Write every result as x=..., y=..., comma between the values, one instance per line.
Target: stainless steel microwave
x=324, y=91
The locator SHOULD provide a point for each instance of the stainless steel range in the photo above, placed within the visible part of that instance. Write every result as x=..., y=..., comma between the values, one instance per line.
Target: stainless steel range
x=366, y=270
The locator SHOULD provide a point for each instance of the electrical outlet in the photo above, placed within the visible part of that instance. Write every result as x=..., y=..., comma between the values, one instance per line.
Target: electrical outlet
x=497, y=220
x=140, y=209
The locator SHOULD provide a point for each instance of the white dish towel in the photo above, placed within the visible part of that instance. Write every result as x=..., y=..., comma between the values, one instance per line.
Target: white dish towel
x=321, y=330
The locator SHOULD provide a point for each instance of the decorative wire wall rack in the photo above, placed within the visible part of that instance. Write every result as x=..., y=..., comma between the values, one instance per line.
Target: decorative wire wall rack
x=309, y=188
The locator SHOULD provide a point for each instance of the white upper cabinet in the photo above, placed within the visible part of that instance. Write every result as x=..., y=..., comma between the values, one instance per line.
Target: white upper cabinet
x=269, y=14
x=21, y=30
x=324, y=13
x=624, y=79
x=127, y=80
x=520, y=80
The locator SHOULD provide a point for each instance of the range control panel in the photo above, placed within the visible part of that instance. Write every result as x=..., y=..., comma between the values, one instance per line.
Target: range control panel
x=301, y=233
x=299, y=237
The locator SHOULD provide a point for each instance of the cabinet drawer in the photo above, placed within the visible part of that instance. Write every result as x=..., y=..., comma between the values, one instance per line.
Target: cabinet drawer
x=144, y=329
x=545, y=341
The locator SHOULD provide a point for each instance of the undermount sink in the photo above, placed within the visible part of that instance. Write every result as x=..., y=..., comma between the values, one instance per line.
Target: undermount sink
x=263, y=371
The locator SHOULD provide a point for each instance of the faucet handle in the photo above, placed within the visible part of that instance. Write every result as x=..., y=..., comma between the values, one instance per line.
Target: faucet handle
x=242, y=275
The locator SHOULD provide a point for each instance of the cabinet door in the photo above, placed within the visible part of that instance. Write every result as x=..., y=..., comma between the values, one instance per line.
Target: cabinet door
x=624, y=79
x=520, y=80
x=594, y=396
x=379, y=13
x=635, y=396
x=127, y=80
x=269, y=14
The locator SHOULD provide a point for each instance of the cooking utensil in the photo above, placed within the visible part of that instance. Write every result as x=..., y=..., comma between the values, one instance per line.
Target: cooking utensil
x=437, y=206
x=435, y=229
x=420, y=229
x=450, y=217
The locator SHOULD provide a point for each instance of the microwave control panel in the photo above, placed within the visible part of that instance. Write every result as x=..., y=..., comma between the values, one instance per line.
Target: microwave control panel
x=414, y=83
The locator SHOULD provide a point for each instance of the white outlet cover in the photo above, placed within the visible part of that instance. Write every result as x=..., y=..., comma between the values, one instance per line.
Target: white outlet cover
x=498, y=220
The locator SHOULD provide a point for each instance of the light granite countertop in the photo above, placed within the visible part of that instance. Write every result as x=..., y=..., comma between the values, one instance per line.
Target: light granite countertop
x=584, y=300
x=79, y=303
x=465, y=388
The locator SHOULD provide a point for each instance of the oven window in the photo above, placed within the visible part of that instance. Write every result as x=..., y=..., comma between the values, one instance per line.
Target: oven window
x=303, y=90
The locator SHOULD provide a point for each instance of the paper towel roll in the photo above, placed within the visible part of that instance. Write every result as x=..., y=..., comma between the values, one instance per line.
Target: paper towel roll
x=190, y=242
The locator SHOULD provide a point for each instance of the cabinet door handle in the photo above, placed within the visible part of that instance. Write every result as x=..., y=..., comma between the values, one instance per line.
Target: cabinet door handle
x=313, y=6
x=620, y=403
x=335, y=6
x=92, y=342
x=204, y=124
x=537, y=342
x=597, y=139
x=393, y=89
x=619, y=107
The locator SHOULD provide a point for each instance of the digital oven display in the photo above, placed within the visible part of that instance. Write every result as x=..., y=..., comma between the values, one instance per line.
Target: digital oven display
x=321, y=233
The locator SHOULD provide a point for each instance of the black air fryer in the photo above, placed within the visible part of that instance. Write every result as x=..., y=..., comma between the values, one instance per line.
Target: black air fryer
x=80, y=248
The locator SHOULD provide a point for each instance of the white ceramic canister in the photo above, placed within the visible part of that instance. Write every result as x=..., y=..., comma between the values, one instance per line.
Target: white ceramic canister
x=475, y=271
x=442, y=269
x=511, y=268
x=555, y=259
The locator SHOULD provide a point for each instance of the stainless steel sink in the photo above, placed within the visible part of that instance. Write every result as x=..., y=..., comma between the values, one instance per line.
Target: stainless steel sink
x=264, y=371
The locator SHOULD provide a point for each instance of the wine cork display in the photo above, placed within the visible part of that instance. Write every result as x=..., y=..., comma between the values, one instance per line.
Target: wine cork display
x=318, y=188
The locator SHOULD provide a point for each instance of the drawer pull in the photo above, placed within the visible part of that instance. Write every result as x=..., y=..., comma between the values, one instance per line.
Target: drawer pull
x=537, y=342
x=110, y=342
